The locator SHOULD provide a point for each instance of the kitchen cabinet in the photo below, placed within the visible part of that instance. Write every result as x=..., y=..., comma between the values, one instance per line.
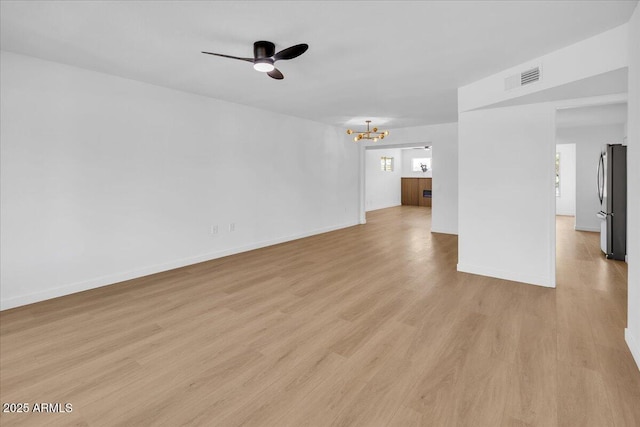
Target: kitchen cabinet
x=416, y=191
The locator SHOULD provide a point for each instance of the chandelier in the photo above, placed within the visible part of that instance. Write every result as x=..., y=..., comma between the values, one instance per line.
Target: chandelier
x=371, y=134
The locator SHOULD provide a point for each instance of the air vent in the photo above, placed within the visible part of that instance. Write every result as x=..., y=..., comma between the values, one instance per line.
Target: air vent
x=530, y=76
x=524, y=78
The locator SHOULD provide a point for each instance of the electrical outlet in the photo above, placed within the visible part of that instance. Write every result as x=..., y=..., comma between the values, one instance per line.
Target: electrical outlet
x=232, y=226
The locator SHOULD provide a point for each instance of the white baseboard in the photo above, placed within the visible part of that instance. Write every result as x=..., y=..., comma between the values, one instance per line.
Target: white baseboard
x=444, y=231
x=111, y=279
x=633, y=345
x=583, y=228
x=507, y=275
x=375, y=208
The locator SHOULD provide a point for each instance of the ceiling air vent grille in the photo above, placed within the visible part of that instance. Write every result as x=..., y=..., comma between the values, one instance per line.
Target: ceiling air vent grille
x=530, y=76
x=524, y=78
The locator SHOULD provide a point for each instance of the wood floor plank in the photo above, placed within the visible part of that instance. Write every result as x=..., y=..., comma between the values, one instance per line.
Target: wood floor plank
x=482, y=392
x=407, y=417
x=291, y=388
x=582, y=397
x=377, y=403
x=533, y=385
x=622, y=384
x=434, y=392
x=575, y=337
x=369, y=325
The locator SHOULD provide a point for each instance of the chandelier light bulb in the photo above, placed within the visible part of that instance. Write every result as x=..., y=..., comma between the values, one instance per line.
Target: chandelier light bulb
x=349, y=131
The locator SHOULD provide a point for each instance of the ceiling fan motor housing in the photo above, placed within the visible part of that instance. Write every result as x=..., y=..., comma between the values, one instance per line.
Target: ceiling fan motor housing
x=263, y=49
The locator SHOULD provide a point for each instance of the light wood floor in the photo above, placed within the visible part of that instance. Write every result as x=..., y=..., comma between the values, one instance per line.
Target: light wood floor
x=370, y=326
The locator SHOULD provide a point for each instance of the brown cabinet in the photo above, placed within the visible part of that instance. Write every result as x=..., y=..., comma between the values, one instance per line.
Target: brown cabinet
x=409, y=191
x=416, y=191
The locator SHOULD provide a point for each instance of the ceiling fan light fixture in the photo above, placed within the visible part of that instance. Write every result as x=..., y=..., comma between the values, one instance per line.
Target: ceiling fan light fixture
x=264, y=57
x=264, y=65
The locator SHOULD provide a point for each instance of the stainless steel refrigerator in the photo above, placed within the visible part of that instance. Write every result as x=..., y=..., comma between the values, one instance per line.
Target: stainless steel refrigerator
x=612, y=194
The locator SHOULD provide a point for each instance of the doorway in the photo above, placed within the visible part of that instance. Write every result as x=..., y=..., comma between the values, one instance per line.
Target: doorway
x=581, y=132
x=384, y=166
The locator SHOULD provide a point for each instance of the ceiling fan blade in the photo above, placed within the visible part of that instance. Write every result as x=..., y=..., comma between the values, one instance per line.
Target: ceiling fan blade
x=229, y=56
x=291, y=52
x=276, y=74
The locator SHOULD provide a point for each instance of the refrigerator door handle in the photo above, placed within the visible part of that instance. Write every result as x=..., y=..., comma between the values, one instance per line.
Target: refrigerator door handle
x=600, y=182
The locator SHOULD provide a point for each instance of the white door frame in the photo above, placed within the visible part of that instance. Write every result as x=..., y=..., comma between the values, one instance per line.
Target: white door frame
x=362, y=169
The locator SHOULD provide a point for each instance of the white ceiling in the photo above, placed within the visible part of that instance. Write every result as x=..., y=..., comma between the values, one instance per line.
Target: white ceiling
x=398, y=63
x=612, y=82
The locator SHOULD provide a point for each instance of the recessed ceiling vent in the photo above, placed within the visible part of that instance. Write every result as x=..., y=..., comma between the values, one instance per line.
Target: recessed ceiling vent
x=524, y=78
x=530, y=76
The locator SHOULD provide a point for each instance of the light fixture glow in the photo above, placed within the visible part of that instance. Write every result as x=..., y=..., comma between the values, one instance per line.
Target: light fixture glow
x=370, y=134
x=263, y=66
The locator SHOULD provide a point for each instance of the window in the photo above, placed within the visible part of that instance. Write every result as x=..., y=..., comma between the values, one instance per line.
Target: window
x=557, y=174
x=386, y=164
x=421, y=165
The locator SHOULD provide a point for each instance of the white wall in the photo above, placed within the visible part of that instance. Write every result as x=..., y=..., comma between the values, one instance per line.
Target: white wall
x=443, y=139
x=632, y=333
x=407, y=163
x=596, y=55
x=105, y=179
x=589, y=141
x=522, y=137
x=612, y=50
x=382, y=188
x=566, y=202
x=507, y=193
x=517, y=142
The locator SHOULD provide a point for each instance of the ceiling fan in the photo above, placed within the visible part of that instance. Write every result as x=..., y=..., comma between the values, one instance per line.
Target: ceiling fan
x=264, y=57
